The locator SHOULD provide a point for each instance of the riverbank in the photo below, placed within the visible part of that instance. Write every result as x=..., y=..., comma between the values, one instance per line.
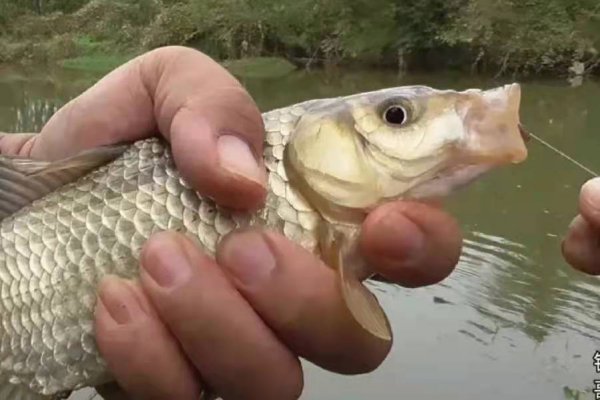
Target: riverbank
x=556, y=37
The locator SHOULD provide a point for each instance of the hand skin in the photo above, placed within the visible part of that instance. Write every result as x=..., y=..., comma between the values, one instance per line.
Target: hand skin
x=240, y=322
x=581, y=245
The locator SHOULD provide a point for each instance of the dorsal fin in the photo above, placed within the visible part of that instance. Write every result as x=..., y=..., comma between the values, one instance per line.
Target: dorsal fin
x=23, y=180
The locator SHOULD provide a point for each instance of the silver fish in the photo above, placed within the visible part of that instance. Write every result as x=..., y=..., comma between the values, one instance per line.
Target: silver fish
x=68, y=223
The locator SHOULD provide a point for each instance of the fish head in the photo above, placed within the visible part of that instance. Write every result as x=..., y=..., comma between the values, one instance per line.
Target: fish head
x=406, y=142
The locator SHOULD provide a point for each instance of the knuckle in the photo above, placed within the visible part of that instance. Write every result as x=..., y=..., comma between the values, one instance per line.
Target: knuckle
x=174, y=51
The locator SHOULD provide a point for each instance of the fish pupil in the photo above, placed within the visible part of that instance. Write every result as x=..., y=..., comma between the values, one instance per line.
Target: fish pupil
x=395, y=115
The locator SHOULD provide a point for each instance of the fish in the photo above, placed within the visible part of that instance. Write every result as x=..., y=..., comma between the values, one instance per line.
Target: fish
x=66, y=224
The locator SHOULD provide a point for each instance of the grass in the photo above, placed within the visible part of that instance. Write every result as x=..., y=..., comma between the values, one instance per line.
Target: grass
x=95, y=56
x=87, y=45
x=259, y=67
x=96, y=63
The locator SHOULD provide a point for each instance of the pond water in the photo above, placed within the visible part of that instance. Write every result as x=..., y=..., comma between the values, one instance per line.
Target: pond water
x=513, y=321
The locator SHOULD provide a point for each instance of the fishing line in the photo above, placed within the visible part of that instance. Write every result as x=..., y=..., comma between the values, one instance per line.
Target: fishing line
x=562, y=154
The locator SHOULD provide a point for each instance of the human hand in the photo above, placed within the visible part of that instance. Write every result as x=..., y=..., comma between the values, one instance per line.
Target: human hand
x=581, y=246
x=240, y=322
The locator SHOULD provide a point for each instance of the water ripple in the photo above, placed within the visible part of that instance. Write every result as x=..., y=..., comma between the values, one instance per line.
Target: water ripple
x=498, y=278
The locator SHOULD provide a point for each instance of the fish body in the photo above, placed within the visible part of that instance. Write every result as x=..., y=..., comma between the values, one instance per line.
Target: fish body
x=67, y=224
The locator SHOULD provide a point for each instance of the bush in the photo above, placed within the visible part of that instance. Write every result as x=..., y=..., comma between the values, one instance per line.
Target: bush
x=506, y=35
x=529, y=35
x=175, y=25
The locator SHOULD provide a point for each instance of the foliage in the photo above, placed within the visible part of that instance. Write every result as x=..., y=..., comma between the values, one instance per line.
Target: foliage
x=259, y=67
x=531, y=35
x=506, y=35
x=333, y=30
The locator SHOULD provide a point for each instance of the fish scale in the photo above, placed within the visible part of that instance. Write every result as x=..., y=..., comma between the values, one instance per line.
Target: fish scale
x=328, y=162
x=56, y=250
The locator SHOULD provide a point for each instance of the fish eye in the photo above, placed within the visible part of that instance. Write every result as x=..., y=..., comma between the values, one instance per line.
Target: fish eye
x=395, y=115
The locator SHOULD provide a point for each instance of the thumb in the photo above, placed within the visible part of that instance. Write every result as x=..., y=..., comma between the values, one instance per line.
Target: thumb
x=214, y=127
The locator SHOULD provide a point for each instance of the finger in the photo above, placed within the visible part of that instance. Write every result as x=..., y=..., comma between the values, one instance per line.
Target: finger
x=16, y=143
x=589, y=202
x=134, y=342
x=235, y=352
x=214, y=126
x=410, y=243
x=299, y=298
x=581, y=246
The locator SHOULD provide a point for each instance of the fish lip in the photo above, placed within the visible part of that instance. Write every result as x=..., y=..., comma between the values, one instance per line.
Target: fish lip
x=495, y=135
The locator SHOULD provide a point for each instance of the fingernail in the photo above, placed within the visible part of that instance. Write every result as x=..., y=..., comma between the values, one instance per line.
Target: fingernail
x=575, y=221
x=120, y=301
x=236, y=157
x=591, y=189
x=248, y=257
x=399, y=239
x=166, y=261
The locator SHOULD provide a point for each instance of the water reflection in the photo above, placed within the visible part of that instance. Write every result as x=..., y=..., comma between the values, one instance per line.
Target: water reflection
x=30, y=97
x=519, y=292
x=513, y=319
x=33, y=114
x=28, y=111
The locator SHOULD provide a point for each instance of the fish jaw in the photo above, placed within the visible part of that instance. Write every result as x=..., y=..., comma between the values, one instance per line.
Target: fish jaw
x=494, y=137
x=494, y=134
x=447, y=183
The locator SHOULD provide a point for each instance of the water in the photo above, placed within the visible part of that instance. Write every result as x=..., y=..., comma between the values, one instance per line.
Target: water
x=513, y=321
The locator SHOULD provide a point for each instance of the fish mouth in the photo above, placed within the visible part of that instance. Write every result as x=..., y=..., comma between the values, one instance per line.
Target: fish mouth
x=449, y=181
x=489, y=148
x=493, y=137
x=495, y=134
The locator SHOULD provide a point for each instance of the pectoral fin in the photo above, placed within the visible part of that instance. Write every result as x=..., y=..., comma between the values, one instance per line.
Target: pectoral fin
x=362, y=304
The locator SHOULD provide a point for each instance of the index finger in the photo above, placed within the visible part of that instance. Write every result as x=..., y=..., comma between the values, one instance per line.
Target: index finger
x=214, y=127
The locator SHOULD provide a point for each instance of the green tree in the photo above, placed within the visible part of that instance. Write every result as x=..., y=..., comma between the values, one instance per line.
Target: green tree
x=503, y=35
